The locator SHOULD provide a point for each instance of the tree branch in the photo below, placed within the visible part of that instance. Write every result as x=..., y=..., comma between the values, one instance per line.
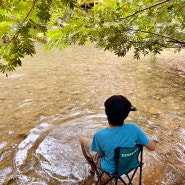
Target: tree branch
x=26, y=17
x=163, y=36
x=147, y=8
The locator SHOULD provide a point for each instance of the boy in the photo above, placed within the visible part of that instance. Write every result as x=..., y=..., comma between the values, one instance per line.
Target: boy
x=100, y=150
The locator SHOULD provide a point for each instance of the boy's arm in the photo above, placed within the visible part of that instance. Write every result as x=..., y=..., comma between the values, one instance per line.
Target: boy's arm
x=151, y=145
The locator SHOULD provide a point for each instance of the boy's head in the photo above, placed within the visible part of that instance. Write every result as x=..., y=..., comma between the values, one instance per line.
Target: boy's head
x=117, y=108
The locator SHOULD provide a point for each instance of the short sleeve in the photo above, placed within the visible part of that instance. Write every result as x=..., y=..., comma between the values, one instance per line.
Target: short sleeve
x=96, y=144
x=142, y=138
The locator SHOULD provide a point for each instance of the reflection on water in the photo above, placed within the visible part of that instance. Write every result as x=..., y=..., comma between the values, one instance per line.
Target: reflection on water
x=57, y=97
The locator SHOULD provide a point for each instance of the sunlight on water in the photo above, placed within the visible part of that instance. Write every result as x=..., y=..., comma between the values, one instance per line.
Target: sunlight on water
x=57, y=155
x=23, y=147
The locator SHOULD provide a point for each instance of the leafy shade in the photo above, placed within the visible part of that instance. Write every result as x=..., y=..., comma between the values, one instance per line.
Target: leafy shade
x=146, y=26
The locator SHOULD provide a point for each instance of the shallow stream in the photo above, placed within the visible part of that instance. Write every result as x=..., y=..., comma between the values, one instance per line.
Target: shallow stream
x=57, y=97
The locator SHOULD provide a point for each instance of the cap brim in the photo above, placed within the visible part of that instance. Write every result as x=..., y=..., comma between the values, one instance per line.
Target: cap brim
x=133, y=108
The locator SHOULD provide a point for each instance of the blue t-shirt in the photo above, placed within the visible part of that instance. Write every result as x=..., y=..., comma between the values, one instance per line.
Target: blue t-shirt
x=106, y=140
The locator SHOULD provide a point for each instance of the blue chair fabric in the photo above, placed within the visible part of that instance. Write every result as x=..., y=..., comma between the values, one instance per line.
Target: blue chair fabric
x=127, y=161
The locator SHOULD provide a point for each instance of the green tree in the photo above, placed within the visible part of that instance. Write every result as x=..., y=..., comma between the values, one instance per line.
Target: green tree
x=147, y=26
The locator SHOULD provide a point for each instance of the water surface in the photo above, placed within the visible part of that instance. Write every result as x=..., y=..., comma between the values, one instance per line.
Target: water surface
x=57, y=97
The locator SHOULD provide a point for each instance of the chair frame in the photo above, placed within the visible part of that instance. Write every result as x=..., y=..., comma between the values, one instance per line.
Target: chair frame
x=116, y=176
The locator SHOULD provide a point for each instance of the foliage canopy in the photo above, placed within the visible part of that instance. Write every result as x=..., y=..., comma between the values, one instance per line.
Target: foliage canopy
x=147, y=26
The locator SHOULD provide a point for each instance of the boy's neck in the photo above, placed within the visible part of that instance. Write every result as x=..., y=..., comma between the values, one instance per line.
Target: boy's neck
x=113, y=126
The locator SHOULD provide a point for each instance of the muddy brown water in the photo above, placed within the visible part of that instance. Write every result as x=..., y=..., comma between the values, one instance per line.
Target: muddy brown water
x=57, y=97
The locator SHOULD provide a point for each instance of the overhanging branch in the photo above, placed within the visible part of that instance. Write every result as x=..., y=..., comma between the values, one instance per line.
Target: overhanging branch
x=147, y=8
x=26, y=17
x=170, y=39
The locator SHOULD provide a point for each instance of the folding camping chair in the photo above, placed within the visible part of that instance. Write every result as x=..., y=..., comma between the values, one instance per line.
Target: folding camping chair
x=127, y=161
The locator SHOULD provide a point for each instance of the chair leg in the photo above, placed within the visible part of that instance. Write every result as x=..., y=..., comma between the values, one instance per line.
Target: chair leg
x=130, y=178
x=122, y=180
x=116, y=181
x=106, y=182
x=99, y=178
x=140, y=177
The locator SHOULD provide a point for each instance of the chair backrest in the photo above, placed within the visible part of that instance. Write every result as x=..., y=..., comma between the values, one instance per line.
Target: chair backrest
x=127, y=159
